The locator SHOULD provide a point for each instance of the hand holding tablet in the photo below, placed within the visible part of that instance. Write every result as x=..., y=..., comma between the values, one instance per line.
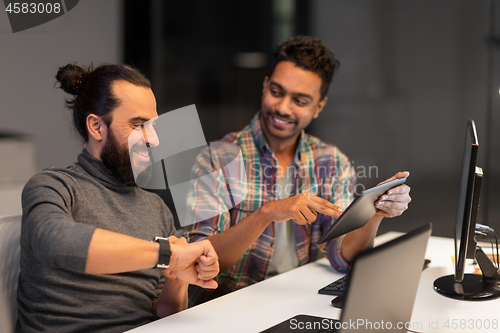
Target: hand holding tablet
x=361, y=210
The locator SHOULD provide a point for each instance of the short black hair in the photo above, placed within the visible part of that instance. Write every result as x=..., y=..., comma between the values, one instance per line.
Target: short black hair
x=92, y=90
x=310, y=54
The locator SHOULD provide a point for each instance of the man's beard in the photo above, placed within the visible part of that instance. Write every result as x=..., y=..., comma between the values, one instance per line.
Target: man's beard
x=117, y=159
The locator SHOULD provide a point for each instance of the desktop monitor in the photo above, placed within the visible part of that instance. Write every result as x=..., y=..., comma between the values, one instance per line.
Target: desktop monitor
x=460, y=285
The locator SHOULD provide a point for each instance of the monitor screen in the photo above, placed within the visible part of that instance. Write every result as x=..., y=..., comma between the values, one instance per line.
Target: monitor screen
x=465, y=221
x=463, y=286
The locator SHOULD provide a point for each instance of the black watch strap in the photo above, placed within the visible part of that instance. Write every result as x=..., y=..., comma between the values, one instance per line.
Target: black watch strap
x=165, y=252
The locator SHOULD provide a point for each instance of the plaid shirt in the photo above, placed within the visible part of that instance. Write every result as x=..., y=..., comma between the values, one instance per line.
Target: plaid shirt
x=320, y=169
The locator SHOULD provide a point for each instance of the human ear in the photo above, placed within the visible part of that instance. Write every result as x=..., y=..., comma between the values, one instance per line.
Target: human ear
x=264, y=84
x=320, y=106
x=96, y=127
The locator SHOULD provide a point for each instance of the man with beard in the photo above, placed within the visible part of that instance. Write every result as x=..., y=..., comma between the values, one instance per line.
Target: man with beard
x=297, y=184
x=88, y=262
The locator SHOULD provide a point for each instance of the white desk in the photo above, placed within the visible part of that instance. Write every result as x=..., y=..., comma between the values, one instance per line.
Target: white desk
x=269, y=302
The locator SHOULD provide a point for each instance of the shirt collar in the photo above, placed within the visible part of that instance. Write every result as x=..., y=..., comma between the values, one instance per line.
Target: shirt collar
x=258, y=135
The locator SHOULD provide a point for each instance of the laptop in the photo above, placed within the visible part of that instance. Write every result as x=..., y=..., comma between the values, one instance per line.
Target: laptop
x=381, y=291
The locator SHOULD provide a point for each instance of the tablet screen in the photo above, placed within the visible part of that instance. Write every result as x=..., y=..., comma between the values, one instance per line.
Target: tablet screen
x=359, y=212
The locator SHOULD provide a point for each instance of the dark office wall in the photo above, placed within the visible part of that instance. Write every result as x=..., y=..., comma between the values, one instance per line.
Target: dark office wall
x=192, y=52
x=412, y=73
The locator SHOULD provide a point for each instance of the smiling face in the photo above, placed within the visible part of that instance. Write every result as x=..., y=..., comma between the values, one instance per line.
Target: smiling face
x=137, y=108
x=291, y=99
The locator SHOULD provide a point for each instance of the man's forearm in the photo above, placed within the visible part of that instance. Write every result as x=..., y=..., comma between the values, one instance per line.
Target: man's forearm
x=110, y=253
x=360, y=239
x=232, y=243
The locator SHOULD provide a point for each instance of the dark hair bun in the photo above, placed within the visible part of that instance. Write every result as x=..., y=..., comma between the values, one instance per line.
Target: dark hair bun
x=70, y=78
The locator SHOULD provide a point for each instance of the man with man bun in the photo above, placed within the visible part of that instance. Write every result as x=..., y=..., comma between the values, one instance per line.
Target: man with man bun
x=88, y=259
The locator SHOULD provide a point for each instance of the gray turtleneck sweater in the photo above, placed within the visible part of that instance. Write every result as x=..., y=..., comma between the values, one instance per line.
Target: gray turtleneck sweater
x=61, y=210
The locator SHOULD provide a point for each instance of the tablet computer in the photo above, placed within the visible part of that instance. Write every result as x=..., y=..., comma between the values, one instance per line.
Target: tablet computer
x=359, y=212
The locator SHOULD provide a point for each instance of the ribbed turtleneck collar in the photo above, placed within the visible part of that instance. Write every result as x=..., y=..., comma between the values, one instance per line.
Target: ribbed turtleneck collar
x=98, y=170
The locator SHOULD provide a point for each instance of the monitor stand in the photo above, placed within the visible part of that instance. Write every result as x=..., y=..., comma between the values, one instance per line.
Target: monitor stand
x=473, y=287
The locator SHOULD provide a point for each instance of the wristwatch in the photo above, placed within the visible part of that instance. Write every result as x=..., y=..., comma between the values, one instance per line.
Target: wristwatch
x=165, y=252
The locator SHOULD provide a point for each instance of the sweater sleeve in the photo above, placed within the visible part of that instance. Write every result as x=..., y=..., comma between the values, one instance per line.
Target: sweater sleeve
x=48, y=228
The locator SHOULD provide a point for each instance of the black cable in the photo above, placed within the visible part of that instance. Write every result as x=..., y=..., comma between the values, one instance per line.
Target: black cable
x=497, y=261
x=492, y=248
x=496, y=240
x=490, y=234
